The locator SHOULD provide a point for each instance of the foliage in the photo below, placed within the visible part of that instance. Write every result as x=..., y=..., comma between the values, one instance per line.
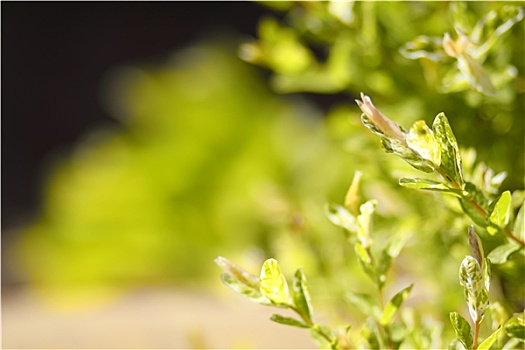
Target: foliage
x=372, y=47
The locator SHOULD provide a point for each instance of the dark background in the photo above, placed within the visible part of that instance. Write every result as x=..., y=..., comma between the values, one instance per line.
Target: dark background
x=54, y=57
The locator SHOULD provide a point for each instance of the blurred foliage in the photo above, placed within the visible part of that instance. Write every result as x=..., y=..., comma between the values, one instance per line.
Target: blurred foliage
x=208, y=162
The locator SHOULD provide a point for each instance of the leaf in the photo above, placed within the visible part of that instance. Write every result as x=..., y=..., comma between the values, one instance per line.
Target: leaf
x=450, y=156
x=487, y=343
x=475, y=245
x=476, y=295
x=519, y=223
x=421, y=140
x=476, y=74
x=393, y=305
x=365, y=303
x=424, y=47
x=322, y=335
x=371, y=333
x=502, y=253
x=455, y=344
x=430, y=185
x=364, y=222
x=399, y=148
x=365, y=261
x=301, y=296
x=340, y=216
x=288, y=321
x=384, y=263
x=273, y=284
x=352, y=196
x=512, y=344
x=515, y=330
x=239, y=287
x=500, y=215
x=238, y=272
x=462, y=329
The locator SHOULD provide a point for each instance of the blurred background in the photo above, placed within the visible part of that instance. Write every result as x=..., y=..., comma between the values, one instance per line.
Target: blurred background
x=137, y=147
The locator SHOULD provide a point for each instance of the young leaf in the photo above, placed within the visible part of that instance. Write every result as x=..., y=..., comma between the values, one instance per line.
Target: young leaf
x=430, y=185
x=502, y=253
x=475, y=245
x=288, y=321
x=421, y=140
x=462, y=329
x=352, y=196
x=500, y=215
x=364, y=222
x=487, y=343
x=476, y=294
x=273, y=284
x=322, y=335
x=515, y=330
x=383, y=264
x=365, y=261
x=393, y=305
x=301, y=296
x=450, y=156
x=243, y=289
x=238, y=272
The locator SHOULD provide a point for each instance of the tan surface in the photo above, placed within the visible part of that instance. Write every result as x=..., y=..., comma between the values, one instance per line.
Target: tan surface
x=148, y=319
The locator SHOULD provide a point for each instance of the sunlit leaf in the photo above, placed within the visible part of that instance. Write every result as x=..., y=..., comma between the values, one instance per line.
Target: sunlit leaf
x=450, y=156
x=471, y=278
x=273, y=284
x=420, y=138
x=352, y=198
x=487, y=343
x=501, y=254
x=301, y=295
x=462, y=329
x=340, y=216
x=500, y=215
x=393, y=306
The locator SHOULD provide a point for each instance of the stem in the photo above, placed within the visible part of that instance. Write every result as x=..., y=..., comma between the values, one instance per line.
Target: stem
x=478, y=207
x=476, y=330
x=387, y=328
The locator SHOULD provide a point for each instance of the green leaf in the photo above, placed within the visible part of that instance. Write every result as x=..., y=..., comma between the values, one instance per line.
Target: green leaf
x=383, y=264
x=239, y=287
x=393, y=305
x=487, y=343
x=502, y=253
x=462, y=329
x=301, y=296
x=322, y=335
x=512, y=344
x=472, y=203
x=476, y=75
x=500, y=215
x=430, y=185
x=371, y=333
x=472, y=279
x=515, y=330
x=340, y=216
x=273, y=284
x=365, y=303
x=450, y=156
x=288, y=321
x=365, y=261
x=421, y=140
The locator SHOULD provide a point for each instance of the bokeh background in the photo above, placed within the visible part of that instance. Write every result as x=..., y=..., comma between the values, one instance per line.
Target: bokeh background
x=137, y=147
